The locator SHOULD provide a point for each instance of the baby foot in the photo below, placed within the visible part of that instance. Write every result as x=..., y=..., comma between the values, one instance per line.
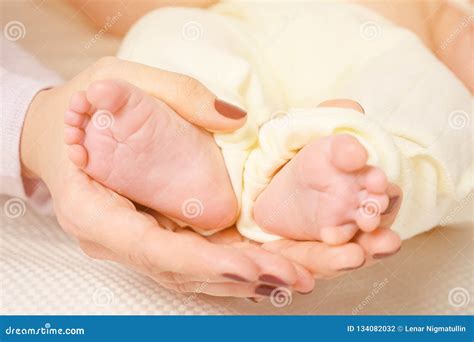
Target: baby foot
x=136, y=145
x=327, y=192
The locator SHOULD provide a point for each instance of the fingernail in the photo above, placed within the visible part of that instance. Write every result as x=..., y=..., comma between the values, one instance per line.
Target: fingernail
x=349, y=268
x=268, y=278
x=391, y=204
x=352, y=268
x=265, y=290
x=254, y=299
x=235, y=277
x=305, y=293
x=384, y=255
x=228, y=110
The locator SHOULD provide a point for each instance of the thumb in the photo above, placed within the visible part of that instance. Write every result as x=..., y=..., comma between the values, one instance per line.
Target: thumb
x=186, y=95
x=197, y=104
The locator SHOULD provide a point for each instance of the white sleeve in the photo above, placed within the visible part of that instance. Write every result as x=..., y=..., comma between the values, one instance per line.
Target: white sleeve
x=22, y=77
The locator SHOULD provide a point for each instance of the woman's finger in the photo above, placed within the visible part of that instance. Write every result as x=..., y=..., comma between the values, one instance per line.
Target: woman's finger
x=96, y=251
x=174, y=277
x=213, y=289
x=255, y=290
x=274, y=269
x=109, y=220
x=271, y=266
x=131, y=234
x=187, y=96
x=380, y=243
x=305, y=280
x=322, y=260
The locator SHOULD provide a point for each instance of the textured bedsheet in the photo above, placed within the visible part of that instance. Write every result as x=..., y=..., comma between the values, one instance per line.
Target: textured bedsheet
x=43, y=271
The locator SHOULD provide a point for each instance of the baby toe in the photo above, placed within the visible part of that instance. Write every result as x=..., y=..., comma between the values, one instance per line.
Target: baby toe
x=79, y=103
x=374, y=180
x=338, y=235
x=109, y=95
x=367, y=223
x=347, y=154
x=371, y=204
x=369, y=211
x=74, y=119
x=73, y=135
x=78, y=155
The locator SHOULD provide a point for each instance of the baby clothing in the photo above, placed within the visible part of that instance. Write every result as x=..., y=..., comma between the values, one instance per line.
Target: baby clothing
x=279, y=60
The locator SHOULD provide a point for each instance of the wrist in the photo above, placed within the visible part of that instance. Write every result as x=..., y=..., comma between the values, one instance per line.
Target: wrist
x=41, y=140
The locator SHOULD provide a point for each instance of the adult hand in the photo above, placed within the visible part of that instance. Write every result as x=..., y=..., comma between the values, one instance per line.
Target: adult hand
x=323, y=261
x=108, y=226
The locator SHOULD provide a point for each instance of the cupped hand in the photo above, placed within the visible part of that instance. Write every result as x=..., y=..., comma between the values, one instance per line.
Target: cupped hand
x=108, y=226
x=324, y=261
x=321, y=260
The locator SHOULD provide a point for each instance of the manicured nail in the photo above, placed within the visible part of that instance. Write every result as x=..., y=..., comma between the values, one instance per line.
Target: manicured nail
x=265, y=290
x=349, y=268
x=254, y=299
x=268, y=278
x=384, y=255
x=235, y=277
x=228, y=110
x=391, y=205
x=352, y=268
x=305, y=293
